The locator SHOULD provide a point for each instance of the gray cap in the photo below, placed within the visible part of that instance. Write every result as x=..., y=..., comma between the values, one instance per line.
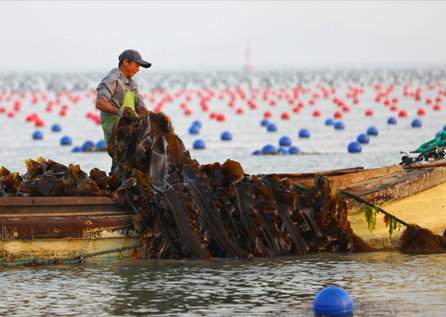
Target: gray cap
x=134, y=56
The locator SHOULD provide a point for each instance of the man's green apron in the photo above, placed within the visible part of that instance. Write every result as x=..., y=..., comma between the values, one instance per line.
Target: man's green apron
x=109, y=123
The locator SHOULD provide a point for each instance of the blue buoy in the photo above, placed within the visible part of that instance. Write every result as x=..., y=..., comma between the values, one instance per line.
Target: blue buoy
x=76, y=149
x=416, y=123
x=333, y=301
x=269, y=149
x=283, y=151
x=339, y=125
x=257, y=152
x=294, y=150
x=372, y=131
x=438, y=134
x=194, y=129
x=272, y=127
x=363, y=138
x=354, y=147
x=285, y=141
x=391, y=120
x=226, y=136
x=199, y=144
x=197, y=123
x=101, y=145
x=264, y=123
x=330, y=121
x=304, y=133
x=66, y=140
x=88, y=146
x=38, y=135
x=444, y=128
x=56, y=128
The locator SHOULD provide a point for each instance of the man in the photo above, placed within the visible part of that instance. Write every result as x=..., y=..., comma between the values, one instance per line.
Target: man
x=118, y=90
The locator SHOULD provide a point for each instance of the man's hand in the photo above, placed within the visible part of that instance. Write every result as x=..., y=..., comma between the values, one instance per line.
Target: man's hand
x=103, y=105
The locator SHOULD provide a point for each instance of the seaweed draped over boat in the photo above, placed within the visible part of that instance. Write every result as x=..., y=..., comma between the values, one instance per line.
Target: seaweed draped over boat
x=187, y=210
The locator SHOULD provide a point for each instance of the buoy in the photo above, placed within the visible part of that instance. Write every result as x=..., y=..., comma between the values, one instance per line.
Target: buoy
x=221, y=117
x=354, y=147
x=199, y=144
x=11, y=114
x=316, y=113
x=304, y=133
x=372, y=130
x=267, y=149
x=333, y=301
x=63, y=113
x=66, y=140
x=293, y=150
x=283, y=151
x=395, y=100
x=76, y=149
x=394, y=108
x=421, y=112
x=188, y=112
x=363, y=138
x=240, y=111
x=403, y=114
x=285, y=115
x=257, y=152
x=268, y=114
x=56, y=128
x=37, y=135
x=346, y=108
x=387, y=102
x=194, y=129
x=87, y=146
x=272, y=127
x=439, y=99
x=197, y=123
x=312, y=102
x=369, y=112
x=437, y=107
x=3, y=109
x=416, y=123
x=226, y=136
x=264, y=122
x=101, y=145
x=391, y=120
x=429, y=101
x=338, y=114
x=339, y=125
x=40, y=123
x=285, y=141
x=329, y=121
x=213, y=115
x=273, y=103
x=296, y=109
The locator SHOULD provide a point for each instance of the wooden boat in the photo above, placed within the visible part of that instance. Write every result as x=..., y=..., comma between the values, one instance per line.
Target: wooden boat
x=59, y=227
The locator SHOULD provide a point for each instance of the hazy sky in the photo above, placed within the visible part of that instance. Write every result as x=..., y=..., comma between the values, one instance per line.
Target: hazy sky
x=185, y=35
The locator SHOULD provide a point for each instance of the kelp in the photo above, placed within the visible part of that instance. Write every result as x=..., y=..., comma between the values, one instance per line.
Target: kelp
x=187, y=210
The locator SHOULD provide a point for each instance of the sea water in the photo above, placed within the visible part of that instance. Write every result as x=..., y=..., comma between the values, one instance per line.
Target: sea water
x=381, y=284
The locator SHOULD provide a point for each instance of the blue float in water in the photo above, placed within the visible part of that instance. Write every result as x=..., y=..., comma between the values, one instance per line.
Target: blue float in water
x=194, y=129
x=354, y=147
x=197, y=123
x=101, y=144
x=264, y=123
x=372, y=130
x=283, y=151
x=285, y=141
x=333, y=301
x=88, y=146
x=199, y=144
x=226, y=136
x=444, y=128
x=272, y=127
x=391, y=120
x=38, y=135
x=363, y=138
x=416, y=123
x=269, y=149
x=438, y=134
x=76, y=149
x=339, y=125
x=330, y=121
x=294, y=150
x=304, y=133
x=66, y=140
x=257, y=152
x=56, y=128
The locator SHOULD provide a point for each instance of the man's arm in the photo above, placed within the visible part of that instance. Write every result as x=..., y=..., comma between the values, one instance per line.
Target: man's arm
x=103, y=105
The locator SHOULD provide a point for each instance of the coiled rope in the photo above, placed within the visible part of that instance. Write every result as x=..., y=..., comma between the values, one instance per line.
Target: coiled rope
x=439, y=141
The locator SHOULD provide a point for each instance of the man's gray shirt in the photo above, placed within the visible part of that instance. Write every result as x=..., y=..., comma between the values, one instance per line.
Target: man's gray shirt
x=113, y=88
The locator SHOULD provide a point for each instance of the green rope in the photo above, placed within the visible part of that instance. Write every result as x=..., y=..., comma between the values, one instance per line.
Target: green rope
x=360, y=199
x=432, y=144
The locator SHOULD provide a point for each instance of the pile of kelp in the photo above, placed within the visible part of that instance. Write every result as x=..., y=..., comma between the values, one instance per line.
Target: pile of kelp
x=187, y=210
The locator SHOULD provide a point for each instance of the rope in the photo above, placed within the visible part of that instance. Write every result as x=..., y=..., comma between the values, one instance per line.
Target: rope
x=360, y=199
x=439, y=141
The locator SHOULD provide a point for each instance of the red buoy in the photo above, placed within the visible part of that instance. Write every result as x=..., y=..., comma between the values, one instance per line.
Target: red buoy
x=268, y=114
x=429, y=101
x=346, y=109
x=11, y=114
x=285, y=115
x=273, y=103
x=301, y=104
x=213, y=115
x=296, y=109
x=421, y=112
x=312, y=102
x=437, y=107
x=387, y=102
x=3, y=109
x=240, y=110
x=395, y=100
x=403, y=113
x=40, y=123
x=188, y=112
x=369, y=112
x=316, y=113
x=439, y=99
x=338, y=114
x=221, y=117
x=356, y=101
x=394, y=108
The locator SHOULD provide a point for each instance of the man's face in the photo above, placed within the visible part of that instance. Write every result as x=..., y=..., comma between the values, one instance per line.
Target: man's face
x=130, y=69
